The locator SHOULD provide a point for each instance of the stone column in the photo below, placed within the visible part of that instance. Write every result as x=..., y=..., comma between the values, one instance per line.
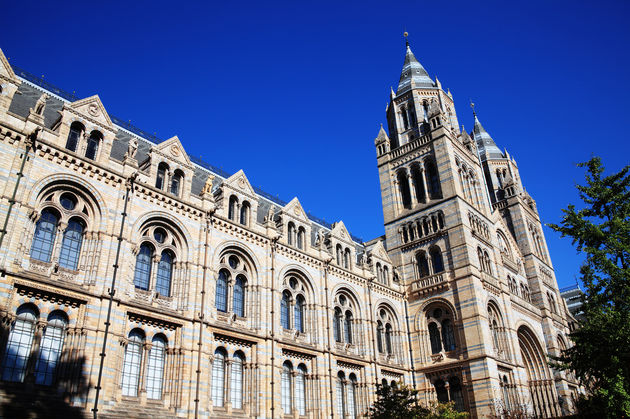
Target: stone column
x=423, y=177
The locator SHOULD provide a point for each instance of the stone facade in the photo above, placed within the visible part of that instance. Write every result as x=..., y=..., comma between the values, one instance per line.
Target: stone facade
x=138, y=280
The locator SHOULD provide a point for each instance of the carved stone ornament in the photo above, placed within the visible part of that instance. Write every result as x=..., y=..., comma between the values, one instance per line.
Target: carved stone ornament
x=241, y=183
x=175, y=150
x=93, y=110
x=296, y=211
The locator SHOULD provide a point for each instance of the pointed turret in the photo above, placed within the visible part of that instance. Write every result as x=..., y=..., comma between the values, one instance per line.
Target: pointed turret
x=413, y=72
x=487, y=147
x=382, y=136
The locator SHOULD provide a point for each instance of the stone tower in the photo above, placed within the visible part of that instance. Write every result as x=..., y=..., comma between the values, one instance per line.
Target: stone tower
x=467, y=242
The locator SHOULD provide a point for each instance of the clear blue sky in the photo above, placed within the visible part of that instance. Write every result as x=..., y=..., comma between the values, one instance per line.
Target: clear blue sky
x=294, y=92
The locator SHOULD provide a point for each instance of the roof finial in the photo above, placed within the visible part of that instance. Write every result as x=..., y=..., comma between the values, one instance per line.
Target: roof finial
x=472, y=106
x=406, y=35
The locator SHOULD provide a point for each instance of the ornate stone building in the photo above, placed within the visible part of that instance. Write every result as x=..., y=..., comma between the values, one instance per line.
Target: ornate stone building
x=138, y=280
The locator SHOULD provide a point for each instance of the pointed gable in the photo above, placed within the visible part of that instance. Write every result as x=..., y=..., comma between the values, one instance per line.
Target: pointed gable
x=5, y=68
x=339, y=230
x=240, y=182
x=173, y=149
x=93, y=109
x=294, y=208
x=379, y=251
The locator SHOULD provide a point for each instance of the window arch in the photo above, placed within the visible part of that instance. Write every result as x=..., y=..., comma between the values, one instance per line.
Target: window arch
x=423, y=264
x=93, y=143
x=245, y=213
x=541, y=387
x=238, y=304
x=388, y=339
x=299, y=313
x=155, y=367
x=301, y=238
x=337, y=325
x=236, y=380
x=440, y=322
x=291, y=234
x=165, y=273
x=162, y=172
x=352, y=397
x=344, y=319
x=436, y=259
x=74, y=136
x=285, y=310
x=177, y=182
x=296, y=291
x=233, y=208
x=403, y=186
x=434, y=335
x=287, y=372
x=385, y=275
x=379, y=336
x=385, y=330
x=218, y=377
x=339, y=251
x=235, y=275
x=44, y=237
x=19, y=343
x=71, y=244
x=142, y=275
x=341, y=394
x=300, y=390
x=50, y=348
x=222, y=290
x=347, y=327
x=346, y=259
x=132, y=363
x=497, y=330
x=433, y=179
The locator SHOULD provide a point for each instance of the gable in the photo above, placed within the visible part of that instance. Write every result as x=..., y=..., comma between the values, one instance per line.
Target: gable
x=93, y=109
x=173, y=149
x=240, y=182
x=5, y=67
x=340, y=231
x=294, y=208
x=380, y=252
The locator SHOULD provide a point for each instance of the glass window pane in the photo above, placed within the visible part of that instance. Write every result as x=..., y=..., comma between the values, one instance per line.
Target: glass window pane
x=284, y=311
x=44, y=237
x=50, y=349
x=299, y=314
x=142, y=274
x=236, y=382
x=71, y=245
x=239, y=297
x=341, y=399
x=19, y=345
x=218, y=378
x=221, y=293
x=434, y=335
x=155, y=368
x=300, y=390
x=132, y=363
x=447, y=335
x=92, y=147
x=352, y=408
x=286, y=389
x=348, y=327
x=164, y=274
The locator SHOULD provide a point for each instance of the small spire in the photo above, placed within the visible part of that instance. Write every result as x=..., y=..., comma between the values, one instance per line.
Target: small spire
x=485, y=143
x=472, y=106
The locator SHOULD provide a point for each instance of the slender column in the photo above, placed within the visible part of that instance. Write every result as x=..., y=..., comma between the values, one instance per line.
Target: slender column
x=423, y=177
x=412, y=188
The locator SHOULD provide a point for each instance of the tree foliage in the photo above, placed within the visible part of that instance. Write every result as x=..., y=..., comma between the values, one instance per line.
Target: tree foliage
x=400, y=402
x=600, y=229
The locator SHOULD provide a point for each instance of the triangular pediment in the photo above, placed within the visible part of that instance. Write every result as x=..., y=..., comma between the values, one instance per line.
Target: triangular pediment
x=339, y=230
x=379, y=251
x=173, y=149
x=240, y=182
x=93, y=108
x=5, y=67
x=294, y=208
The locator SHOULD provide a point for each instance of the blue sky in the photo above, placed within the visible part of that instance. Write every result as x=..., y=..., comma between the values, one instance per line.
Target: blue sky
x=293, y=92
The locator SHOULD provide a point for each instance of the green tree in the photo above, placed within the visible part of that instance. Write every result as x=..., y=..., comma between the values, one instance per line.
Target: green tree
x=600, y=229
x=400, y=402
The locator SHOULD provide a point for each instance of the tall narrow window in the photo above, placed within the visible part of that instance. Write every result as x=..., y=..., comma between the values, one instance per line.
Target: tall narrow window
x=388, y=338
x=76, y=129
x=434, y=336
x=236, y=381
x=155, y=367
x=287, y=370
x=220, y=301
x=339, y=255
x=50, y=348
x=71, y=245
x=341, y=395
x=346, y=259
x=423, y=264
x=379, y=336
x=142, y=274
x=434, y=180
x=448, y=337
x=285, y=310
x=176, y=182
x=44, y=237
x=160, y=180
x=218, y=377
x=405, y=118
x=352, y=398
x=291, y=234
x=337, y=325
x=301, y=238
x=238, y=304
x=19, y=344
x=92, y=145
x=298, y=316
x=245, y=213
x=233, y=208
x=300, y=390
x=505, y=390
x=347, y=327
x=455, y=389
x=132, y=363
x=441, y=392
x=436, y=259
x=164, y=274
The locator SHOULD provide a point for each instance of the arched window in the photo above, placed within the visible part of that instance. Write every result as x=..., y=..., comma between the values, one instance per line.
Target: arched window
x=298, y=315
x=352, y=398
x=19, y=344
x=505, y=392
x=301, y=238
x=291, y=234
x=341, y=395
x=92, y=145
x=177, y=182
x=448, y=337
x=300, y=390
x=132, y=363
x=538, y=373
x=488, y=263
x=218, y=377
x=403, y=185
x=236, y=381
x=440, y=391
x=423, y=264
x=434, y=336
x=142, y=274
x=44, y=237
x=436, y=259
x=71, y=244
x=434, y=180
x=416, y=175
x=455, y=388
x=220, y=300
x=346, y=259
x=155, y=367
x=385, y=275
x=287, y=371
x=379, y=336
x=285, y=314
x=164, y=274
x=233, y=208
x=238, y=304
x=339, y=255
x=348, y=327
x=388, y=338
x=405, y=118
x=337, y=325
x=379, y=272
x=245, y=209
x=160, y=180
x=74, y=136
x=50, y=348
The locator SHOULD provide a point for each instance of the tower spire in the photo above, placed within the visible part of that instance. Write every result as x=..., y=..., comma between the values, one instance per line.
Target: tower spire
x=488, y=149
x=412, y=72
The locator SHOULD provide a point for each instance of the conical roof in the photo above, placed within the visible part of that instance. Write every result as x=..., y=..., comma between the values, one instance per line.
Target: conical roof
x=487, y=147
x=413, y=71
